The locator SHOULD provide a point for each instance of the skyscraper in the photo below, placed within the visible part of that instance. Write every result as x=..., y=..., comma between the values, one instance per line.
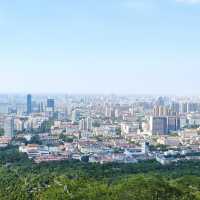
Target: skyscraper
x=29, y=104
x=184, y=107
x=9, y=127
x=160, y=111
x=85, y=124
x=173, y=123
x=158, y=125
x=51, y=105
x=76, y=115
x=175, y=108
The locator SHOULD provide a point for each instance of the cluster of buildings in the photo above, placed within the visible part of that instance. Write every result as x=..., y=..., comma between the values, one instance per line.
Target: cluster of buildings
x=101, y=128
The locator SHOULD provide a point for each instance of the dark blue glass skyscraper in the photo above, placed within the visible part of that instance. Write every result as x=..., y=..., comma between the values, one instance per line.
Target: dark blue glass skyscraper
x=29, y=104
x=51, y=104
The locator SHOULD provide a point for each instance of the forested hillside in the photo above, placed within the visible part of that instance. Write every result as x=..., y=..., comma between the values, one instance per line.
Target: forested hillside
x=20, y=179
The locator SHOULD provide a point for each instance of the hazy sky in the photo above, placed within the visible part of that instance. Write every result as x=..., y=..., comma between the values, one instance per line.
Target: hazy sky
x=100, y=46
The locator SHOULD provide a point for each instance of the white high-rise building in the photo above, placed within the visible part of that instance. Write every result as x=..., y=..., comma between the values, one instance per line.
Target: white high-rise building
x=145, y=148
x=108, y=111
x=75, y=115
x=89, y=124
x=9, y=127
x=85, y=124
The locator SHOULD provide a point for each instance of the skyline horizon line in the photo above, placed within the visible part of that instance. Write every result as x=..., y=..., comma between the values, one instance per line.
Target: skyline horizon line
x=100, y=93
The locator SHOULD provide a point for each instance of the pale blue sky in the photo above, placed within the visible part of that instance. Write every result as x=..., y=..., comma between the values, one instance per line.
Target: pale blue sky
x=100, y=46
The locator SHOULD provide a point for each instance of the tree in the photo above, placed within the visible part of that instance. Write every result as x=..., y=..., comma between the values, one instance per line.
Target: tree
x=46, y=125
x=35, y=140
x=66, y=138
x=1, y=131
x=96, y=124
x=85, y=159
x=118, y=131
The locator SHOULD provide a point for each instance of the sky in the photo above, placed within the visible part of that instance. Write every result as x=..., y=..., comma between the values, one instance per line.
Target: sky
x=100, y=46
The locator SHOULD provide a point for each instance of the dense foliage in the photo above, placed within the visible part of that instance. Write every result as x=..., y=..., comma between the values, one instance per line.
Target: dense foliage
x=1, y=132
x=21, y=179
x=46, y=126
x=66, y=138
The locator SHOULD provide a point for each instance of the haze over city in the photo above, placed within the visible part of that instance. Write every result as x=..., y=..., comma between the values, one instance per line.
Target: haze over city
x=107, y=46
x=99, y=100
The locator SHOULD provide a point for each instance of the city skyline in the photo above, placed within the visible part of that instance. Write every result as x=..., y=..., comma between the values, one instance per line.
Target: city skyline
x=100, y=47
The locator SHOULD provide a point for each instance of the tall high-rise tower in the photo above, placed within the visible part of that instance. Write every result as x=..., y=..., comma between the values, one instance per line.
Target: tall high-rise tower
x=29, y=104
x=51, y=105
x=9, y=127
